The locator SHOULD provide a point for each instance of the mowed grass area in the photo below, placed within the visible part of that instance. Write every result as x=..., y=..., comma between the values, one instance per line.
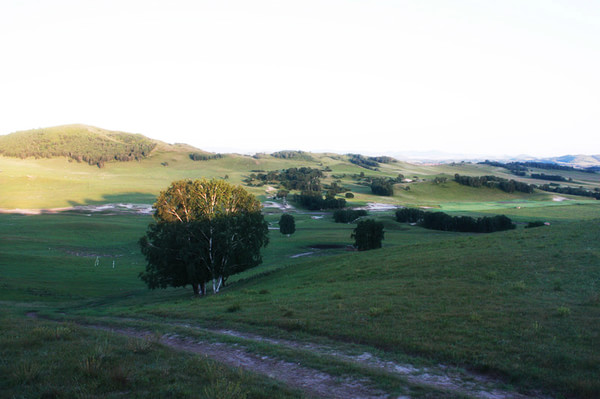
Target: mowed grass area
x=523, y=304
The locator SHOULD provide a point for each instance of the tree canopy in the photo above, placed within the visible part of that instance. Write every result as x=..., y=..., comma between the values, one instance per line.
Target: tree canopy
x=368, y=234
x=287, y=224
x=204, y=230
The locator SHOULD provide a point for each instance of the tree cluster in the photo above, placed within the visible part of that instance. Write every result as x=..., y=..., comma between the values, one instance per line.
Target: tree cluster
x=199, y=156
x=570, y=191
x=520, y=168
x=383, y=187
x=314, y=200
x=543, y=176
x=409, y=215
x=505, y=185
x=204, y=230
x=301, y=155
x=368, y=235
x=383, y=159
x=301, y=179
x=78, y=144
x=348, y=215
x=443, y=221
x=363, y=162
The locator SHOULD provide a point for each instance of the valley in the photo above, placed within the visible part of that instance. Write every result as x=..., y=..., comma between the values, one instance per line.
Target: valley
x=431, y=314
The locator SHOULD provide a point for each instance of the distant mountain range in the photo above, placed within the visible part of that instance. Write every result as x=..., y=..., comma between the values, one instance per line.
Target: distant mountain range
x=580, y=160
x=96, y=146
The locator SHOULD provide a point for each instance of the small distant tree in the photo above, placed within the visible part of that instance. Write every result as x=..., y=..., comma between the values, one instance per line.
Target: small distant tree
x=367, y=235
x=349, y=195
x=287, y=224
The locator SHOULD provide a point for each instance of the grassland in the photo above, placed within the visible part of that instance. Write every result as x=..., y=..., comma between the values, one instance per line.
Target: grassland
x=521, y=307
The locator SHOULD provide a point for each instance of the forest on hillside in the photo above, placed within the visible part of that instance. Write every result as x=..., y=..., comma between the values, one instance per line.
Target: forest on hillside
x=80, y=145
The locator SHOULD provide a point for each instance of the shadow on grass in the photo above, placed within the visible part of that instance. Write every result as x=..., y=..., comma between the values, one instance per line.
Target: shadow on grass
x=129, y=198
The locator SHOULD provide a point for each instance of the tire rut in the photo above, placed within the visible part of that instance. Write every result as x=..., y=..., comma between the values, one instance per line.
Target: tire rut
x=315, y=382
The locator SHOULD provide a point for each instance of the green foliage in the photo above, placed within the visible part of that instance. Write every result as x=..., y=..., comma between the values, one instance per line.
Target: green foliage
x=313, y=200
x=367, y=235
x=383, y=187
x=297, y=155
x=198, y=156
x=204, y=230
x=509, y=186
x=363, y=162
x=348, y=215
x=409, y=215
x=287, y=224
x=81, y=143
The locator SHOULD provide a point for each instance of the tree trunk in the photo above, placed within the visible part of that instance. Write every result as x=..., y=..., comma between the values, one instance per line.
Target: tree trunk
x=195, y=288
x=203, y=288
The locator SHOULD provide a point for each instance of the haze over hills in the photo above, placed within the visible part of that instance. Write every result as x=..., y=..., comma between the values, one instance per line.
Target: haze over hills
x=96, y=146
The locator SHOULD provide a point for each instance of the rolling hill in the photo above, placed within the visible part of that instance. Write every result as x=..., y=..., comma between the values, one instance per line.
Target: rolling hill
x=79, y=142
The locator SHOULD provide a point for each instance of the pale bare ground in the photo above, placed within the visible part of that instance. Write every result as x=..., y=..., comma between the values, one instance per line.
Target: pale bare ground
x=116, y=208
x=317, y=383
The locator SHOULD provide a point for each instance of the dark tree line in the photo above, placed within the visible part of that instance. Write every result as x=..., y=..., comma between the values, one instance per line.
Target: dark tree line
x=198, y=156
x=363, y=162
x=443, y=221
x=301, y=179
x=409, y=215
x=292, y=155
x=348, y=215
x=543, y=176
x=314, y=200
x=509, y=186
x=383, y=159
x=520, y=168
x=570, y=191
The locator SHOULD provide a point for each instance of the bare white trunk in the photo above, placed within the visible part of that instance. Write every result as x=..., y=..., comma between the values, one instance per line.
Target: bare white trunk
x=217, y=284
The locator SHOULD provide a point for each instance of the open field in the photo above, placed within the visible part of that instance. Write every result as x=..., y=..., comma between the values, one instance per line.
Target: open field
x=520, y=305
x=432, y=314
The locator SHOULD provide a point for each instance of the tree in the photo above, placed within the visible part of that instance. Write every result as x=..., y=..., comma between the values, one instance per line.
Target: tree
x=287, y=225
x=367, y=235
x=204, y=230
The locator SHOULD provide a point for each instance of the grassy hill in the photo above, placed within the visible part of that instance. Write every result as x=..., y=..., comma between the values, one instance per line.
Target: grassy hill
x=77, y=142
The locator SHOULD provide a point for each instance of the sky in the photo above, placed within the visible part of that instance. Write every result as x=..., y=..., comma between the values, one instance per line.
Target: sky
x=370, y=76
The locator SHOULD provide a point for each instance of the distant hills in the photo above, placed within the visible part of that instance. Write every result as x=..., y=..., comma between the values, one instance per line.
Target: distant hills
x=96, y=146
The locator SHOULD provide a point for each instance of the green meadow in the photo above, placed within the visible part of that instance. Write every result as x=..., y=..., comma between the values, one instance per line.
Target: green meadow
x=520, y=307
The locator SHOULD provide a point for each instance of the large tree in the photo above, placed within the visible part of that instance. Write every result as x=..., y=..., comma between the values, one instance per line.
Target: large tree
x=204, y=230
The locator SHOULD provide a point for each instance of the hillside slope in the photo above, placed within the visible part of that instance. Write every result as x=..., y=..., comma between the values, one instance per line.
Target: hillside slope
x=79, y=142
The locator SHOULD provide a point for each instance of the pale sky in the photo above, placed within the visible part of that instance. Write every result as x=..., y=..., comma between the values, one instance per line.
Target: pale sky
x=372, y=76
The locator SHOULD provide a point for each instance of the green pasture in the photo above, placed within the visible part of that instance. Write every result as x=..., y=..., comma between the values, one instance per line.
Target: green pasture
x=521, y=304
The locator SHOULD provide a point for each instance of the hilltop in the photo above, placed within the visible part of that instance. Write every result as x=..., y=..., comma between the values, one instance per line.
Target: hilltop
x=81, y=143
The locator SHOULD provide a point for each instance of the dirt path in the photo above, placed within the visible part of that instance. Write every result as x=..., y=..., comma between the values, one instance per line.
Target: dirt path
x=315, y=382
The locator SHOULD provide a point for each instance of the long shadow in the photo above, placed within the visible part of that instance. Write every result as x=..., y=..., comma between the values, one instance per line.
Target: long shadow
x=129, y=198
